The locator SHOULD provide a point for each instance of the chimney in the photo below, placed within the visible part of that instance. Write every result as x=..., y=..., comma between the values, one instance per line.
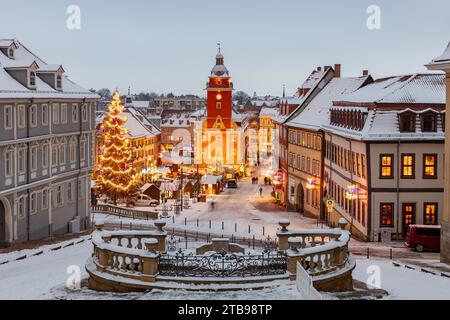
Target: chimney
x=337, y=70
x=319, y=68
x=365, y=72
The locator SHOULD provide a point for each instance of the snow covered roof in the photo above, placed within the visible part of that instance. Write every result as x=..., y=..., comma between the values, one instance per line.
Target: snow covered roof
x=270, y=112
x=11, y=88
x=313, y=79
x=417, y=93
x=136, y=124
x=317, y=112
x=210, y=179
x=407, y=89
x=442, y=62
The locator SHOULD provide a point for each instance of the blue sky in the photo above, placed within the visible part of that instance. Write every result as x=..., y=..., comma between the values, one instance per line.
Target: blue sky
x=169, y=45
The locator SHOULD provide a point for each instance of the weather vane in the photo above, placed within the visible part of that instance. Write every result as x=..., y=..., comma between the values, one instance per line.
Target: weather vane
x=218, y=44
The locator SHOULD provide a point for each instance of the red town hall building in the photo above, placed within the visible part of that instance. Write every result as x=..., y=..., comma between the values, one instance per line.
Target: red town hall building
x=219, y=140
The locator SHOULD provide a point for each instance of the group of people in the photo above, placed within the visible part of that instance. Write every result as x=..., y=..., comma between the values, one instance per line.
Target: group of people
x=267, y=181
x=255, y=180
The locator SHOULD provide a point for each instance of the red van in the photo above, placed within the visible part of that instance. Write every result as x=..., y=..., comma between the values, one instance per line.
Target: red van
x=422, y=237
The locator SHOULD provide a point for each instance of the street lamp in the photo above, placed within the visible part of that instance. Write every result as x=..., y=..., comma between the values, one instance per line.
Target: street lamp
x=352, y=195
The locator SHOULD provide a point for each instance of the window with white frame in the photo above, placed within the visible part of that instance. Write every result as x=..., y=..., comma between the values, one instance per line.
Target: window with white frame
x=44, y=114
x=74, y=113
x=63, y=113
x=83, y=149
x=9, y=160
x=62, y=152
x=84, y=113
x=33, y=115
x=21, y=159
x=58, y=81
x=21, y=116
x=70, y=191
x=33, y=157
x=33, y=203
x=8, y=117
x=44, y=199
x=45, y=155
x=32, y=79
x=21, y=208
x=54, y=155
x=73, y=151
x=55, y=114
x=58, y=196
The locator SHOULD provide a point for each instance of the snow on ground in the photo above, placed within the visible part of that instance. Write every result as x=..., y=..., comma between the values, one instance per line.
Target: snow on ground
x=44, y=277
x=403, y=283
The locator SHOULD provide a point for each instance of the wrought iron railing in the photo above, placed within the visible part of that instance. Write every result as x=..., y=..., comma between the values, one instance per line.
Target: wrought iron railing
x=222, y=265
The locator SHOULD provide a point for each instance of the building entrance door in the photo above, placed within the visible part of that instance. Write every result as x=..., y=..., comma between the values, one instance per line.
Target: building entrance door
x=409, y=216
x=301, y=199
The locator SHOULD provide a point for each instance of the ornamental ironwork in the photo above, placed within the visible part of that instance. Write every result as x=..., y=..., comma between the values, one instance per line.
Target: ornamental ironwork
x=222, y=264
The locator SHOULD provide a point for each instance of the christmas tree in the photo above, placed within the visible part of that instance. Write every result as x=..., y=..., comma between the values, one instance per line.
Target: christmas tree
x=116, y=177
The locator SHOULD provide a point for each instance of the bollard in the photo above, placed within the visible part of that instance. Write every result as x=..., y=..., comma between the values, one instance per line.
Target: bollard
x=391, y=253
x=368, y=253
x=173, y=219
x=186, y=242
x=235, y=227
x=264, y=231
x=185, y=221
x=223, y=225
x=197, y=223
x=210, y=224
x=253, y=242
x=249, y=229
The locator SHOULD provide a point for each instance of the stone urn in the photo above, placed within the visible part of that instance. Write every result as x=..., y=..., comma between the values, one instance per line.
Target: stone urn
x=160, y=225
x=284, y=224
x=342, y=223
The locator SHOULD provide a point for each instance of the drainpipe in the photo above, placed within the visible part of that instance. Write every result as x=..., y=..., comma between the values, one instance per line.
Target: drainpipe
x=398, y=187
x=77, y=191
x=27, y=121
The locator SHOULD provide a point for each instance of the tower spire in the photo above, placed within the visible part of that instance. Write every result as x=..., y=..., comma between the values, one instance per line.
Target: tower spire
x=284, y=91
x=218, y=44
x=129, y=90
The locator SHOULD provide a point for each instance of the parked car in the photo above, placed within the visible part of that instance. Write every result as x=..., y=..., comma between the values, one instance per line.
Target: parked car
x=232, y=184
x=423, y=237
x=144, y=201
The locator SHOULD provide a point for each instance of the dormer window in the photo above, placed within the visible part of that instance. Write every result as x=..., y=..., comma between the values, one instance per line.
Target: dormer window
x=58, y=81
x=429, y=122
x=32, y=79
x=11, y=53
x=408, y=122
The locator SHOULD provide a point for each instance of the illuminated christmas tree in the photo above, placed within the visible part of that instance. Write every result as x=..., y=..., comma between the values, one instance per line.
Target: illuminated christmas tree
x=116, y=177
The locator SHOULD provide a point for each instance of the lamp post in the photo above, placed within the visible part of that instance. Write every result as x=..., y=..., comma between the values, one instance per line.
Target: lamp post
x=352, y=194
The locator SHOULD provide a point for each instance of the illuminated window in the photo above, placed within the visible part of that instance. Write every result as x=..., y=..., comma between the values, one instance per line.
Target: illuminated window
x=218, y=105
x=386, y=166
x=408, y=165
x=386, y=214
x=430, y=213
x=430, y=166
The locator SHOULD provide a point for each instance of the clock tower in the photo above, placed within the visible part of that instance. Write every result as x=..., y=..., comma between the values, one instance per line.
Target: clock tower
x=220, y=95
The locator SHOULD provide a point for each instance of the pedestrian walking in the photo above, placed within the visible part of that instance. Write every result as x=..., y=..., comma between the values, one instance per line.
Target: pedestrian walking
x=212, y=205
x=260, y=191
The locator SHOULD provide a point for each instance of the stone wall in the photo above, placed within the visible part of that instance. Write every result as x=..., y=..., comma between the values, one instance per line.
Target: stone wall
x=445, y=242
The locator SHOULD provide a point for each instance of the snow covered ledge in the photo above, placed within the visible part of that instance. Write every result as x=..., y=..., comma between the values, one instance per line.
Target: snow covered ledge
x=323, y=253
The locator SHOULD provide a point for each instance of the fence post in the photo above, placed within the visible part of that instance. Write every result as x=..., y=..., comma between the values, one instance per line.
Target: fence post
x=391, y=254
x=223, y=225
x=186, y=242
x=253, y=242
x=120, y=224
x=235, y=227
x=185, y=221
x=210, y=224
x=264, y=231
x=249, y=229
x=173, y=219
x=368, y=253
x=197, y=223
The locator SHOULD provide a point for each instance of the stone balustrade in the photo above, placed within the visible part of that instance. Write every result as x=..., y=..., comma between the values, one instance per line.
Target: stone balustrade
x=125, y=212
x=321, y=252
x=131, y=253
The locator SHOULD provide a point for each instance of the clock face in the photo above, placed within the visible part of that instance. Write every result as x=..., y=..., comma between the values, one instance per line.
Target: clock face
x=219, y=97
